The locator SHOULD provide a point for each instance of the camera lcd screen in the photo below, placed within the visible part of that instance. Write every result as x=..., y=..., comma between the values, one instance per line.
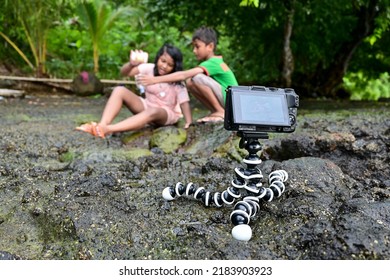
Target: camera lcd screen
x=260, y=108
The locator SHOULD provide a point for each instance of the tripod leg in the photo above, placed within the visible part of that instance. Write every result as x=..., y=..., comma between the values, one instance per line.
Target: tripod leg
x=208, y=198
x=240, y=217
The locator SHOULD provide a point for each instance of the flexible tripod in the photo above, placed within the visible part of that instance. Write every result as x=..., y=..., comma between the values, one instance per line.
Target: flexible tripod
x=246, y=187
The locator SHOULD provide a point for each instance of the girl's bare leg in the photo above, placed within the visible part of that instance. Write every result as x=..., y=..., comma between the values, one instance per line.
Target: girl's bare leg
x=120, y=96
x=137, y=121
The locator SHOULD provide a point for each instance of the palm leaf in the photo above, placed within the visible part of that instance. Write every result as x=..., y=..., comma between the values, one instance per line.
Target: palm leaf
x=98, y=18
x=19, y=51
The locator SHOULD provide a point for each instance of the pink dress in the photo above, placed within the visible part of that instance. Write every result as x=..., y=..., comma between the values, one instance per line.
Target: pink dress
x=167, y=96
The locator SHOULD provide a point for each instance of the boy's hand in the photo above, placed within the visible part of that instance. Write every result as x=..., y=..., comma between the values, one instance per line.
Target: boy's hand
x=145, y=80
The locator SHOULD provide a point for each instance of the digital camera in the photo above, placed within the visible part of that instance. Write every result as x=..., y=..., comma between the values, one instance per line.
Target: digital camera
x=261, y=109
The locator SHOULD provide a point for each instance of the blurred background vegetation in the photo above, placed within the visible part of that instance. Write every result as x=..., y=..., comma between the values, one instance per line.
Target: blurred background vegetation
x=322, y=49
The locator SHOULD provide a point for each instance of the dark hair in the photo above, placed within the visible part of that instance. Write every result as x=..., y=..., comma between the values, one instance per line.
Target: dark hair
x=173, y=52
x=207, y=35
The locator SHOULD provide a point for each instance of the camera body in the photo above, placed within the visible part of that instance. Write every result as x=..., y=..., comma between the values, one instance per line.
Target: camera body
x=261, y=109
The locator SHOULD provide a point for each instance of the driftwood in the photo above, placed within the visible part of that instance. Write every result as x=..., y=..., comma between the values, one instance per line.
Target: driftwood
x=54, y=80
x=66, y=84
x=11, y=92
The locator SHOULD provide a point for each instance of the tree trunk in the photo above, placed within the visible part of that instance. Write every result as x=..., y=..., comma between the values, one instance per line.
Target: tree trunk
x=331, y=78
x=95, y=58
x=287, y=56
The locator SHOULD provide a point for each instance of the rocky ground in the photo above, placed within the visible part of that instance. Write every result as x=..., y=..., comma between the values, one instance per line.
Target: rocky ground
x=67, y=195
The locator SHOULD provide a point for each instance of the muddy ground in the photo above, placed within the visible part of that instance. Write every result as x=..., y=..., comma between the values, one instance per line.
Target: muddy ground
x=68, y=195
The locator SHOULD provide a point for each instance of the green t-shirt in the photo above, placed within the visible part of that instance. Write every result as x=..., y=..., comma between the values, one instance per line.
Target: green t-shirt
x=217, y=69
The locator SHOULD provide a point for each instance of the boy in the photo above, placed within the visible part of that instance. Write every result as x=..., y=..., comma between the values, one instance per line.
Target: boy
x=207, y=81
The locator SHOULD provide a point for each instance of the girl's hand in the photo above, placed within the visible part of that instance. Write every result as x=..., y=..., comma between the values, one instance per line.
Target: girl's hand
x=137, y=57
x=187, y=125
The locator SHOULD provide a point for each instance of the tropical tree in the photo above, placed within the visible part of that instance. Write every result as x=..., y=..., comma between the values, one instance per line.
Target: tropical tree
x=308, y=44
x=36, y=17
x=99, y=17
x=363, y=23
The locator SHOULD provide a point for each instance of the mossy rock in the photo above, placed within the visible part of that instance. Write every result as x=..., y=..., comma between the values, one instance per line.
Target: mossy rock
x=138, y=139
x=135, y=153
x=168, y=138
x=231, y=149
x=67, y=157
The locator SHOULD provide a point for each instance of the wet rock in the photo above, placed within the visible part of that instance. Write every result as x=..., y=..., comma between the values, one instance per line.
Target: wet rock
x=8, y=256
x=204, y=139
x=86, y=84
x=30, y=195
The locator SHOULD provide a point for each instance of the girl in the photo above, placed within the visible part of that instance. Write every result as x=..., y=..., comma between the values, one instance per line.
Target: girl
x=164, y=103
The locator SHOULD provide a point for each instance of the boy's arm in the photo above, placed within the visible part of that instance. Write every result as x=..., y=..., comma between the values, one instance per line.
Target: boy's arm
x=173, y=77
x=186, y=110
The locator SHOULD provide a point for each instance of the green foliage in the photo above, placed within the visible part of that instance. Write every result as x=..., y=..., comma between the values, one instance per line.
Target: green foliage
x=70, y=46
x=10, y=26
x=98, y=17
x=363, y=88
x=249, y=2
x=80, y=35
x=69, y=51
x=19, y=51
x=35, y=17
x=254, y=30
